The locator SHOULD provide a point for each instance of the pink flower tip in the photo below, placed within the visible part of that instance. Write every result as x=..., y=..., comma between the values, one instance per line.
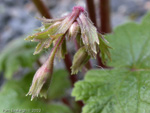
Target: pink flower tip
x=80, y=8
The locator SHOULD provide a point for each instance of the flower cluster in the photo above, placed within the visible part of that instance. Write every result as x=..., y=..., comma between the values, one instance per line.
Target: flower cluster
x=75, y=26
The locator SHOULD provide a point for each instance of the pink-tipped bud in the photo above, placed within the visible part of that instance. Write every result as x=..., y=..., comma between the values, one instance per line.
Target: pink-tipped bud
x=41, y=81
x=81, y=9
x=89, y=34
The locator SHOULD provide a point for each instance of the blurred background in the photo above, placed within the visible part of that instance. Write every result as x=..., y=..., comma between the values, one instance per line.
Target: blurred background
x=18, y=20
x=17, y=17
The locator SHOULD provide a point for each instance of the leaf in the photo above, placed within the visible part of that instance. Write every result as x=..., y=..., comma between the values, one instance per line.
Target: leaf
x=60, y=83
x=122, y=89
x=17, y=53
x=114, y=91
x=104, y=49
x=46, y=33
x=131, y=43
x=13, y=97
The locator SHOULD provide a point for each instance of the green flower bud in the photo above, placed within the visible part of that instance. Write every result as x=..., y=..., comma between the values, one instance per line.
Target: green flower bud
x=80, y=59
x=42, y=77
x=73, y=31
x=41, y=81
x=88, y=34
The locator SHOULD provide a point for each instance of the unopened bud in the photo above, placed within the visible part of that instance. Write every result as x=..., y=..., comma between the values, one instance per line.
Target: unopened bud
x=73, y=30
x=41, y=81
x=80, y=59
x=88, y=34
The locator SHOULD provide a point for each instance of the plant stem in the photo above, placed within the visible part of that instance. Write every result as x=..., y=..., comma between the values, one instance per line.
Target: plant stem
x=104, y=8
x=91, y=11
x=68, y=64
x=42, y=8
x=92, y=14
x=65, y=101
x=73, y=78
x=105, y=16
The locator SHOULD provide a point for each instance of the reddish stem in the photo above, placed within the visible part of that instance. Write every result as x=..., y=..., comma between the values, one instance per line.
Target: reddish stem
x=42, y=8
x=105, y=16
x=92, y=14
x=91, y=11
x=68, y=64
x=65, y=101
x=100, y=63
x=105, y=23
x=44, y=12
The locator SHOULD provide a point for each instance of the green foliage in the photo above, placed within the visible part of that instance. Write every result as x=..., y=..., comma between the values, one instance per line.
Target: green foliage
x=17, y=53
x=127, y=88
x=60, y=82
x=131, y=43
x=114, y=91
x=13, y=96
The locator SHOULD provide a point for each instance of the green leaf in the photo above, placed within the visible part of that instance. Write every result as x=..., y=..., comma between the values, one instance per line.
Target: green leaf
x=46, y=33
x=104, y=48
x=131, y=43
x=60, y=83
x=121, y=90
x=13, y=97
x=114, y=91
x=17, y=53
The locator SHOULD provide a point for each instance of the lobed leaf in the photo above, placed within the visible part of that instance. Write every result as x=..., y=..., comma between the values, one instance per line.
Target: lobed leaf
x=114, y=91
x=121, y=90
x=131, y=43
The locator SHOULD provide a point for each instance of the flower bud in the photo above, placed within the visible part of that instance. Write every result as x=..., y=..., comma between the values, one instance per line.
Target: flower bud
x=42, y=77
x=80, y=59
x=73, y=30
x=88, y=33
x=41, y=81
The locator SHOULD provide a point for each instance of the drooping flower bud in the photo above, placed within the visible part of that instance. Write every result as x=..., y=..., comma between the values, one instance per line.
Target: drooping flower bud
x=80, y=59
x=73, y=31
x=42, y=77
x=41, y=81
x=88, y=34
x=76, y=26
